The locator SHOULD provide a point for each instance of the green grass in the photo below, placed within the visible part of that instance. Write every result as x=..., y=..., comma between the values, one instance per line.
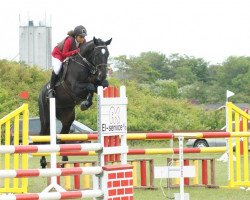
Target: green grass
x=196, y=193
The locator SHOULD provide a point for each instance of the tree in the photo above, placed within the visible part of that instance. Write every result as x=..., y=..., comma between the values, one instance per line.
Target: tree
x=184, y=76
x=165, y=88
x=184, y=67
x=136, y=68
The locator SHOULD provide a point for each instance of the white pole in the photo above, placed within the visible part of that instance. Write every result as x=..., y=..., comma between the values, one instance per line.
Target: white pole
x=53, y=135
x=100, y=136
x=53, y=184
x=227, y=142
x=181, y=168
x=228, y=94
x=124, y=135
x=225, y=156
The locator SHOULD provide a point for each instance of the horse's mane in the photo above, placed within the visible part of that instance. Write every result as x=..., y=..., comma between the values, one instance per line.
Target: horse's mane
x=90, y=45
x=87, y=46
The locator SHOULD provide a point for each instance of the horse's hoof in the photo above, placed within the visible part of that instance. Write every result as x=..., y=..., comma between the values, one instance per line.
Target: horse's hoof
x=65, y=159
x=105, y=83
x=43, y=163
x=62, y=165
x=85, y=105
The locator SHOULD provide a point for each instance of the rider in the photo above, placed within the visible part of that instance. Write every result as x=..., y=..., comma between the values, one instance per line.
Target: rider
x=66, y=48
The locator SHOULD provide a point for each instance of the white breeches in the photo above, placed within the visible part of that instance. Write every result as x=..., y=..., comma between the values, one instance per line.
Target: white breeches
x=57, y=65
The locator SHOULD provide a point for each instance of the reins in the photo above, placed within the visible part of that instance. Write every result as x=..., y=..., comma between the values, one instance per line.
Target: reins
x=91, y=67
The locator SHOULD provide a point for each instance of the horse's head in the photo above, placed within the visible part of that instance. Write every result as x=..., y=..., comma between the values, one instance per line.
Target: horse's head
x=101, y=54
x=97, y=53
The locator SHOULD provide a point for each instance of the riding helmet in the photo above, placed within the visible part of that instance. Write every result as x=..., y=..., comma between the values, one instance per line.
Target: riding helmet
x=80, y=30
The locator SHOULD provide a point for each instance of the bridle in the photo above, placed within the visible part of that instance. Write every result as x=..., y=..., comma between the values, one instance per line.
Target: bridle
x=101, y=46
x=92, y=67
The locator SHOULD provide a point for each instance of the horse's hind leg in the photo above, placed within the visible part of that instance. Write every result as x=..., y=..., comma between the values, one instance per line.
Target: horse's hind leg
x=66, y=116
x=44, y=121
x=44, y=114
x=66, y=129
x=43, y=162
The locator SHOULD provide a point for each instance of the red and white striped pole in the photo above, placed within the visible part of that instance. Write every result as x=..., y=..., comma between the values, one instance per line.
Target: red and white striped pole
x=50, y=148
x=54, y=195
x=50, y=172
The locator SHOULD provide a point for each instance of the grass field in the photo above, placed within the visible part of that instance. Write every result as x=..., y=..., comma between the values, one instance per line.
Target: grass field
x=196, y=193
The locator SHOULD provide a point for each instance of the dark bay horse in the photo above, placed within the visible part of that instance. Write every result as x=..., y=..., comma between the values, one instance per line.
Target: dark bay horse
x=83, y=73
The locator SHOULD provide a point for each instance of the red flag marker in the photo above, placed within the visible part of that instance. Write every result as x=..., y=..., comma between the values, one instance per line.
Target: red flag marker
x=24, y=95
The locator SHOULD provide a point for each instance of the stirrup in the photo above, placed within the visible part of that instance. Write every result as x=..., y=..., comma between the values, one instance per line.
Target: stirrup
x=51, y=93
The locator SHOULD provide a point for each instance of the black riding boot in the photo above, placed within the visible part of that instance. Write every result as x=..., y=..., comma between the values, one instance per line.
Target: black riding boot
x=53, y=79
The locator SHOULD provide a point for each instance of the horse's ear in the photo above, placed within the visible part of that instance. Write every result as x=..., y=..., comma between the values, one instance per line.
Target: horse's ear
x=108, y=42
x=95, y=40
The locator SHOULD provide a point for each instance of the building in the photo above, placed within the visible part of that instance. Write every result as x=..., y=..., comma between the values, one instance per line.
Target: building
x=35, y=45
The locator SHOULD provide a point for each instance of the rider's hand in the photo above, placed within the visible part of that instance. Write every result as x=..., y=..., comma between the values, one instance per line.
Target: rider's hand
x=75, y=51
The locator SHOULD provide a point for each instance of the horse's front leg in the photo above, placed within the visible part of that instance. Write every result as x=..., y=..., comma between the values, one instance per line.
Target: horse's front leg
x=89, y=100
x=104, y=84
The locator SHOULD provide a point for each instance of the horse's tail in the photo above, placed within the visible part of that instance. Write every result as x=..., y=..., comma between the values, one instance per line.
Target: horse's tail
x=43, y=104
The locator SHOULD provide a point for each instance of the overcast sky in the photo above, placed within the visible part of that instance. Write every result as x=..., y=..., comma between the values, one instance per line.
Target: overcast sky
x=211, y=29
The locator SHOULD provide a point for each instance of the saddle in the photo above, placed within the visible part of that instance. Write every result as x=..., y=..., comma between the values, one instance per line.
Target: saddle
x=61, y=82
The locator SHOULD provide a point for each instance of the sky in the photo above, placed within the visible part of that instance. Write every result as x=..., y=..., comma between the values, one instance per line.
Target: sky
x=209, y=29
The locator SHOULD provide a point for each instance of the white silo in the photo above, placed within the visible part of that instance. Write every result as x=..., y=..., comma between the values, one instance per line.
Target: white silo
x=35, y=44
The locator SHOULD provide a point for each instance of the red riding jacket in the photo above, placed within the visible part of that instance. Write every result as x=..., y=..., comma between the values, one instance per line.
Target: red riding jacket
x=65, y=48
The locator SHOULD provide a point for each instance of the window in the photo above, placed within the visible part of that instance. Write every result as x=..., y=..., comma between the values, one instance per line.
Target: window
x=34, y=127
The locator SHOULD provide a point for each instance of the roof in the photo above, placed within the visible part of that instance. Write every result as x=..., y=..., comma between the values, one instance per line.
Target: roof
x=216, y=106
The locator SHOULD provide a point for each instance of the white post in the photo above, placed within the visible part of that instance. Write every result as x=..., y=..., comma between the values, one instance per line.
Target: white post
x=100, y=137
x=124, y=135
x=225, y=156
x=181, y=168
x=53, y=184
x=228, y=94
x=53, y=135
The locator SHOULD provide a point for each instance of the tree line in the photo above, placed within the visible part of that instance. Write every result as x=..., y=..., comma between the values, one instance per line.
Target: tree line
x=159, y=89
x=186, y=77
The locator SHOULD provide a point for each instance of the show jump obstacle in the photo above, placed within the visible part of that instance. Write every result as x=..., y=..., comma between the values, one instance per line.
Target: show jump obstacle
x=8, y=137
x=109, y=181
x=116, y=180
x=239, y=170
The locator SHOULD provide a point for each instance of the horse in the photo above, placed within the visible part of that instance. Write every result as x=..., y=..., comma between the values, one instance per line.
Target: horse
x=79, y=79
